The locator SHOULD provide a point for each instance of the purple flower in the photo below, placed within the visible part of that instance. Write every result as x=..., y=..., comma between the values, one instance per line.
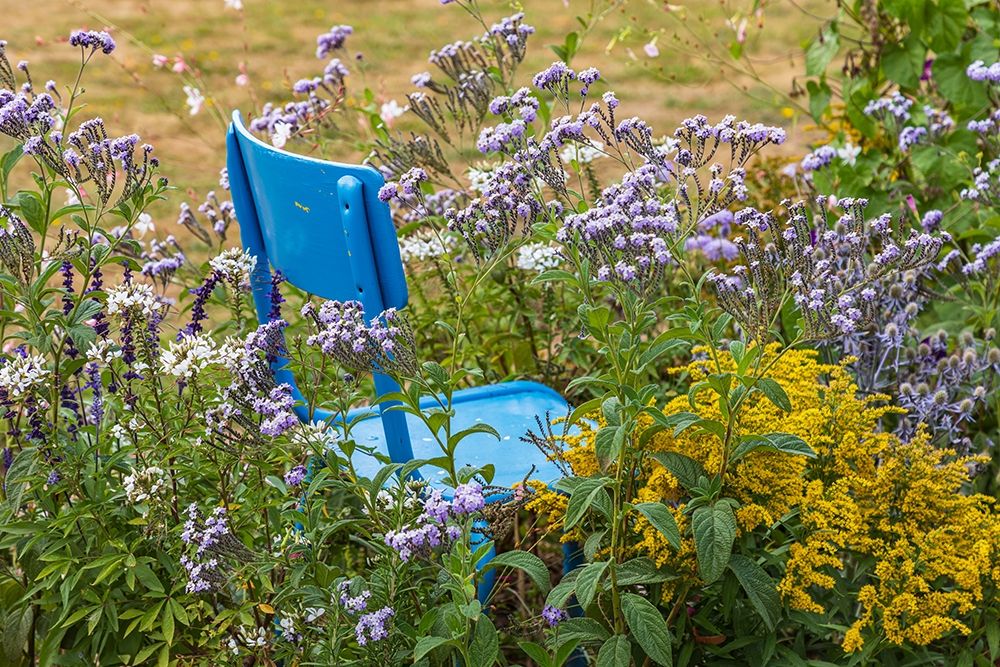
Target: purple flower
x=53, y=478
x=819, y=158
x=330, y=41
x=910, y=136
x=553, y=615
x=468, y=498
x=372, y=627
x=93, y=40
x=295, y=476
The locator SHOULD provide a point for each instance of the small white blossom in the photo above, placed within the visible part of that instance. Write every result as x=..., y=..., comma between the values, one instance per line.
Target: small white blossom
x=144, y=224
x=313, y=613
x=235, y=265
x=538, y=257
x=133, y=297
x=424, y=244
x=479, y=178
x=390, y=111
x=195, y=100
x=104, y=351
x=234, y=4
x=189, y=356
x=20, y=375
x=582, y=153
x=141, y=485
x=71, y=198
x=281, y=134
x=849, y=153
x=316, y=433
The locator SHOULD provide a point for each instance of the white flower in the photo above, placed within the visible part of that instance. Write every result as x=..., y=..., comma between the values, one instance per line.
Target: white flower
x=582, y=153
x=189, y=356
x=849, y=153
x=133, y=297
x=234, y=4
x=71, y=198
x=424, y=244
x=479, y=178
x=317, y=432
x=20, y=375
x=651, y=50
x=391, y=111
x=144, y=224
x=141, y=485
x=194, y=99
x=538, y=257
x=235, y=265
x=313, y=613
x=281, y=133
x=103, y=351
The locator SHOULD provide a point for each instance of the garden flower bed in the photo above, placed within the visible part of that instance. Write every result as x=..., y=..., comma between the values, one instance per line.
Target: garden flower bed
x=778, y=445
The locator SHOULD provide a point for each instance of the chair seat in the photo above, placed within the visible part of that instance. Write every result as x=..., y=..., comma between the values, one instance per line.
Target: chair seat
x=509, y=407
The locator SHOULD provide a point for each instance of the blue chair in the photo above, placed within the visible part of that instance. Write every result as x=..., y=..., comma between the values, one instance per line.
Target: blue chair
x=321, y=224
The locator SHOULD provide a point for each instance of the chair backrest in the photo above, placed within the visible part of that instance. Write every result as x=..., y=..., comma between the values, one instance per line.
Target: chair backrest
x=322, y=225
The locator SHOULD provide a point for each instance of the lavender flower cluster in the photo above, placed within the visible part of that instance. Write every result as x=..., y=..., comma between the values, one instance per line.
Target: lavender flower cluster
x=384, y=345
x=436, y=526
x=209, y=544
x=323, y=93
x=86, y=155
x=253, y=405
x=830, y=270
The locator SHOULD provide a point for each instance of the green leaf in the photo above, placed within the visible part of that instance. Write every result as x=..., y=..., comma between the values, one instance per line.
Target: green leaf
x=660, y=518
x=945, y=24
x=822, y=50
x=786, y=443
x=648, y=628
x=678, y=421
x=588, y=580
x=903, y=63
x=685, y=469
x=759, y=587
x=950, y=77
x=167, y=624
x=640, y=570
x=714, y=528
x=819, y=99
x=774, y=393
x=582, y=629
x=485, y=646
x=425, y=645
x=527, y=562
x=582, y=498
x=616, y=652
x=537, y=653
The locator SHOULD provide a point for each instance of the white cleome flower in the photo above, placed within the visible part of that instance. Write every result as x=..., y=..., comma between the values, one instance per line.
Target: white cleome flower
x=141, y=485
x=194, y=101
x=235, y=265
x=135, y=298
x=20, y=375
x=424, y=244
x=582, y=153
x=538, y=257
x=104, y=351
x=144, y=224
x=849, y=153
x=281, y=134
x=189, y=356
x=479, y=178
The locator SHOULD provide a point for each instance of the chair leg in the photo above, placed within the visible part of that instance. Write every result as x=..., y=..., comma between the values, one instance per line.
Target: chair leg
x=572, y=559
x=487, y=579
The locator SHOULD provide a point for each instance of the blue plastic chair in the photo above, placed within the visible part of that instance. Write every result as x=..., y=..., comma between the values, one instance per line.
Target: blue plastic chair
x=321, y=224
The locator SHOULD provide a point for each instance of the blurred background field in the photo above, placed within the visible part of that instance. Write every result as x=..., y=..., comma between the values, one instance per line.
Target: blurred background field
x=688, y=70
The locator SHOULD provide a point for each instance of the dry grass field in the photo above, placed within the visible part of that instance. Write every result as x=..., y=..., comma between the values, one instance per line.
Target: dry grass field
x=275, y=40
